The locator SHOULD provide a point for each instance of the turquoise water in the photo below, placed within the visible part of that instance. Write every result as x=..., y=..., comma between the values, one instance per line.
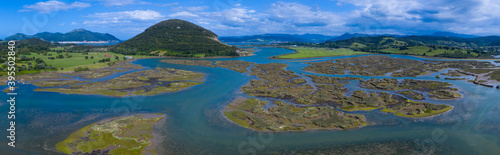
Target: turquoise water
x=196, y=125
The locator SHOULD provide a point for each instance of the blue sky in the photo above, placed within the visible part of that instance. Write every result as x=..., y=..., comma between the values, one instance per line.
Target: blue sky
x=127, y=18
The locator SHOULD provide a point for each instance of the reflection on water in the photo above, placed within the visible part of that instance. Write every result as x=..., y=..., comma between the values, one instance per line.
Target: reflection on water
x=196, y=125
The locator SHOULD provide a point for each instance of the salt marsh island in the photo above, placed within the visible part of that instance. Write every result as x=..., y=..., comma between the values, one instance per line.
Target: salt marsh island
x=250, y=113
x=377, y=65
x=116, y=136
x=148, y=82
x=235, y=65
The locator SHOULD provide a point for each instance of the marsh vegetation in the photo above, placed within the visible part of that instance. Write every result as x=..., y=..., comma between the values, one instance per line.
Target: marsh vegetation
x=250, y=113
x=148, y=82
x=115, y=136
x=382, y=65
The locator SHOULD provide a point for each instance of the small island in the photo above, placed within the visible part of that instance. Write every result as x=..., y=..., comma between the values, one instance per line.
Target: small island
x=316, y=52
x=148, y=82
x=377, y=65
x=250, y=113
x=115, y=136
x=278, y=83
x=235, y=65
x=435, y=89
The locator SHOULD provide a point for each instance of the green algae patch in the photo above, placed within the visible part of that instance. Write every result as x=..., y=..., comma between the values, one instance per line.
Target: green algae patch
x=148, y=82
x=418, y=109
x=122, y=135
x=250, y=113
x=357, y=108
x=435, y=89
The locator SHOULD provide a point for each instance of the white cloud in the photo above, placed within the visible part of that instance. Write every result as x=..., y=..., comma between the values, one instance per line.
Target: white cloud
x=122, y=2
x=191, y=9
x=169, y=4
x=101, y=22
x=182, y=14
x=302, y=15
x=53, y=5
x=122, y=17
x=204, y=23
x=234, y=16
x=136, y=15
x=417, y=16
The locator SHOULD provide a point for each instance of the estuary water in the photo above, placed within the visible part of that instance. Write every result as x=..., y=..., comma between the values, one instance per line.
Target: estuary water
x=196, y=125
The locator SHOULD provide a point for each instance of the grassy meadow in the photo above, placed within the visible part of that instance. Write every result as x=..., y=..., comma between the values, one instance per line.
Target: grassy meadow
x=312, y=52
x=421, y=50
x=76, y=60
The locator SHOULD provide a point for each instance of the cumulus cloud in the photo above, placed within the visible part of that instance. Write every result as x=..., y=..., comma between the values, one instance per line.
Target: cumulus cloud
x=418, y=16
x=123, y=17
x=302, y=15
x=53, y=5
x=182, y=14
x=136, y=14
x=282, y=17
x=191, y=8
x=234, y=16
x=169, y=4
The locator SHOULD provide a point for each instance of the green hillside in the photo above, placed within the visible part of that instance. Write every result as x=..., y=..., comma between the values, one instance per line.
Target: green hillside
x=176, y=37
x=448, y=47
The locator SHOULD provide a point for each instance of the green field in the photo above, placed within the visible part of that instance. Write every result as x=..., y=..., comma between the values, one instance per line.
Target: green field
x=311, y=52
x=76, y=60
x=420, y=50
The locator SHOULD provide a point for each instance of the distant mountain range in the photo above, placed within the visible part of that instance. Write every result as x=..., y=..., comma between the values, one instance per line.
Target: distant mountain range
x=451, y=34
x=355, y=35
x=318, y=38
x=75, y=35
x=269, y=38
x=377, y=42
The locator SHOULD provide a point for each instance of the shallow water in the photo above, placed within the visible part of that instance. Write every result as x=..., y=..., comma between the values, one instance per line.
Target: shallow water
x=196, y=125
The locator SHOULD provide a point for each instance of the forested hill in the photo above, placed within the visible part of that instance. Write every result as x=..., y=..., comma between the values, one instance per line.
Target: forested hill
x=75, y=35
x=390, y=41
x=438, y=46
x=176, y=37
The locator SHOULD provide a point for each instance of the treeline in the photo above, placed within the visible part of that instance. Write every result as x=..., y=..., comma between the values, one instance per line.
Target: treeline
x=380, y=43
x=176, y=46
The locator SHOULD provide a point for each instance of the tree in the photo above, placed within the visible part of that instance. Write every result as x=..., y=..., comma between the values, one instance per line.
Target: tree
x=86, y=57
x=38, y=60
x=91, y=57
x=22, y=57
